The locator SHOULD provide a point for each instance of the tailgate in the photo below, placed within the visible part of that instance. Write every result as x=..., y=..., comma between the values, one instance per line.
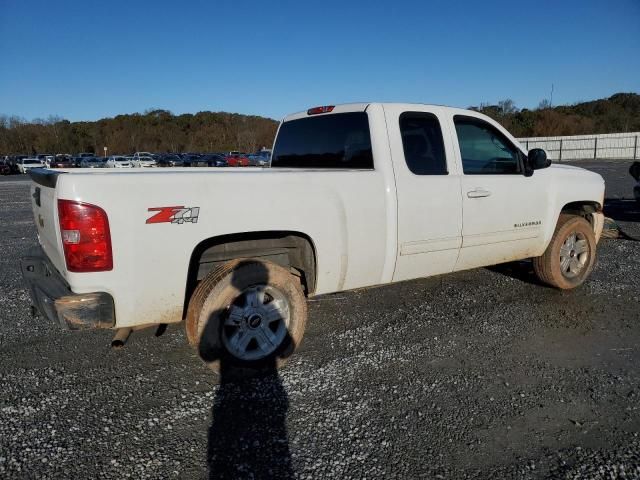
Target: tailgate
x=45, y=212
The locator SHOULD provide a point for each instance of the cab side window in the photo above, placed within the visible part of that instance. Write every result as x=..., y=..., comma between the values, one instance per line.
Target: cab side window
x=484, y=150
x=423, y=144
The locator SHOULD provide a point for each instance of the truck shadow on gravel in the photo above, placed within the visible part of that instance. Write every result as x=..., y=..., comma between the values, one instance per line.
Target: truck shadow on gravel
x=248, y=435
x=522, y=270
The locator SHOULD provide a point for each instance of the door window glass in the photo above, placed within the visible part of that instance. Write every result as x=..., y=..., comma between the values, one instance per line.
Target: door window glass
x=484, y=150
x=422, y=143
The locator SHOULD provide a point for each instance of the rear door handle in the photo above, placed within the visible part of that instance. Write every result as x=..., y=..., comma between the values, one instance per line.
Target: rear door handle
x=478, y=192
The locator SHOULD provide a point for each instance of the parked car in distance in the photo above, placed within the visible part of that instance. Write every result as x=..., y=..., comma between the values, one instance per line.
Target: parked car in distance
x=45, y=158
x=27, y=164
x=214, y=160
x=190, y=159
x=199, y=161
x=77, y=160
x=15, y=161
x=62, y=160
x=5, y=168
x=118, y=161
x=169, y=160
x=237, y=160
x=92, y=162
x=143, y=160
x=257, y=160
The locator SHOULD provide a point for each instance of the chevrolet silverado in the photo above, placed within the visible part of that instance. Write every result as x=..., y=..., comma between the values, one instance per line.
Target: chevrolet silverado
x=356, y=195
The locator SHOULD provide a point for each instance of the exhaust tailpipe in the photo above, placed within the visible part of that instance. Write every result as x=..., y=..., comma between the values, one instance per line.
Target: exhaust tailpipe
x=120, y=338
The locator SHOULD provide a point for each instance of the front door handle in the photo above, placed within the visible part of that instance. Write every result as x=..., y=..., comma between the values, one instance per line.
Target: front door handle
x=478, y=192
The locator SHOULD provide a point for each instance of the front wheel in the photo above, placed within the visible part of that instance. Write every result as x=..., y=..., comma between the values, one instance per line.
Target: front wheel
x=247, y=315
x=570, y=256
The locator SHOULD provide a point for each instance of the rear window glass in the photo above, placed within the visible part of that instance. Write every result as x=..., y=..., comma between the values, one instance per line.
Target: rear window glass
x=341, y=140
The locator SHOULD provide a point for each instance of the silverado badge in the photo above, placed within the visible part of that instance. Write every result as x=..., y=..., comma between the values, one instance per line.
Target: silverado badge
x=527, y=224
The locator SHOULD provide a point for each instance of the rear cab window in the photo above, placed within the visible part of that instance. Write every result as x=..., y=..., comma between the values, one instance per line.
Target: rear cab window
x=338, y=140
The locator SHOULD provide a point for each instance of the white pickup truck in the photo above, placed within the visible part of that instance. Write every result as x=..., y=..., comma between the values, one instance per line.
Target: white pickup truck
x=357, y=195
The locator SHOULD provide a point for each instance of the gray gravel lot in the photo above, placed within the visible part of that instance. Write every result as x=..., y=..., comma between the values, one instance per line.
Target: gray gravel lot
x=479, y=374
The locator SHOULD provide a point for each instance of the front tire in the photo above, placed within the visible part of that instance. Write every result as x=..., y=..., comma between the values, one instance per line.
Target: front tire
x=570, y=256
x=247, y=315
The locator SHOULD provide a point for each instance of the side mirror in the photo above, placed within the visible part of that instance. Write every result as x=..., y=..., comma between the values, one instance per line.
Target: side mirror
x=537, y=159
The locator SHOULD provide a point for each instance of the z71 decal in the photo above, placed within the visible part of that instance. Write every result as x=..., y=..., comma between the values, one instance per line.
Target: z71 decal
x=174, y=215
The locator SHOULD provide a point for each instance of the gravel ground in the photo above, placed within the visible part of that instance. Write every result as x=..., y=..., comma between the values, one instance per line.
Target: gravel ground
x=479, y=374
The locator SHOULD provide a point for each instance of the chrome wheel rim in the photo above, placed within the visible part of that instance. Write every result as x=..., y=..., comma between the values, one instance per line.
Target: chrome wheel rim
x=574, y=255
x=256, y=323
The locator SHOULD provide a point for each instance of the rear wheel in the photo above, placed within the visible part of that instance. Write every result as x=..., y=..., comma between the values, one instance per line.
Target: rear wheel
x=249, y=315
x=570, y=256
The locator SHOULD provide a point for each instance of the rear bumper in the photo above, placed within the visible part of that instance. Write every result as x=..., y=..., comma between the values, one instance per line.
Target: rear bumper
x=53, y=298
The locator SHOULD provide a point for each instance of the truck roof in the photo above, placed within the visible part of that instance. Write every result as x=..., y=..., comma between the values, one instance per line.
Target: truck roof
x=361, y=107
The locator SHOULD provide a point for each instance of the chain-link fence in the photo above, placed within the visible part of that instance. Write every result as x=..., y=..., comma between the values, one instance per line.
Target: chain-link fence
x=587, y=147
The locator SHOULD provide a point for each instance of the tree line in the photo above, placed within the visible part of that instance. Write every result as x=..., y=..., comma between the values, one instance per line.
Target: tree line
x=616, y=114
x=154, y=131
x=161, y=131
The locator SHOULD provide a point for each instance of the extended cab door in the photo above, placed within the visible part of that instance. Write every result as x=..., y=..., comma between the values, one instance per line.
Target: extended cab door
x=428, y=191
x=503, y=210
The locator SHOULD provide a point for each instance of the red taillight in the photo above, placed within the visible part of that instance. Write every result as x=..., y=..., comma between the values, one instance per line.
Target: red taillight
x=317, y=110
x=85, y=237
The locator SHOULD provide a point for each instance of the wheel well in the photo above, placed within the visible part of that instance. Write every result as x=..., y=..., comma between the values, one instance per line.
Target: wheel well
x=292, y=250
x=582, y=208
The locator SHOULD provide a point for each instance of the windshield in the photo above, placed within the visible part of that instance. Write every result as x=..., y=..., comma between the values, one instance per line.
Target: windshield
x=31, y=162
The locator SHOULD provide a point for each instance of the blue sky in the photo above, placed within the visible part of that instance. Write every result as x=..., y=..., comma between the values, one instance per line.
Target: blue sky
x=90, y=59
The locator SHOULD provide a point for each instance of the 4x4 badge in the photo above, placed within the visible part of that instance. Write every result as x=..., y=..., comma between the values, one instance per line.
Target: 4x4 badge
x=174, y=215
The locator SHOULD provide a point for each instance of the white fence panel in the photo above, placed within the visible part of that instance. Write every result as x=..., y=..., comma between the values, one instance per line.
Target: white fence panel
x=583, y=147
